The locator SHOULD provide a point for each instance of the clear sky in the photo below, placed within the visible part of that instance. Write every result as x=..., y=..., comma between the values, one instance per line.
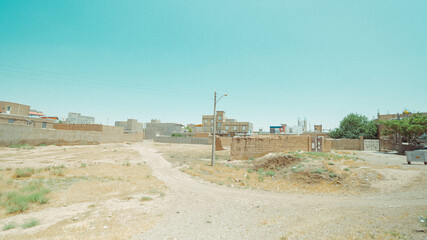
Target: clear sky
x=277, y=60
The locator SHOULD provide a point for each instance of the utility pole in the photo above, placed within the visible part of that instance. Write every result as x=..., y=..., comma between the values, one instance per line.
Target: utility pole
x=214, y=127
x=214, y=130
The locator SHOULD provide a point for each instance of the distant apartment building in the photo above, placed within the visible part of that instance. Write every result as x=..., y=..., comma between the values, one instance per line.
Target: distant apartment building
x=130, y=126
x=14, y=108
x=157, y=128
x=224, y=125
x=278, y=129
x=198, y=128
x=77, y=118
x=318, y=128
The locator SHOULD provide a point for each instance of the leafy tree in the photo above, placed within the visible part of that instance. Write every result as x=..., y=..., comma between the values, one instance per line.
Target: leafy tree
x=410, y=128
x=353, y=126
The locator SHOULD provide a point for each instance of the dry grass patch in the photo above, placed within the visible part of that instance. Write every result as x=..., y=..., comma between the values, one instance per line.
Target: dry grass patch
x=104, y=180
x=292, y=171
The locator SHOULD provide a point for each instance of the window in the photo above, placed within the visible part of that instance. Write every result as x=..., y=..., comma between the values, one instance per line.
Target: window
x=234, y=128
x=243, y=128
x=211, y=128
x=8, y=108
x=206, y=121
x=44, y=125
x=219, y=125
x=206, y=128
x=219, y=117
x=212, y=121
x=226, y=127
x=10, y=120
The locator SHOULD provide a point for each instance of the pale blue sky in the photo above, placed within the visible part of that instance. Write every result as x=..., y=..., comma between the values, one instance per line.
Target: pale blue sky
x=278, y=60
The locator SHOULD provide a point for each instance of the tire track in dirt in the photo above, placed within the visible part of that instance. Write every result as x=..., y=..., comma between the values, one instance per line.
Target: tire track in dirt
x=194, y=209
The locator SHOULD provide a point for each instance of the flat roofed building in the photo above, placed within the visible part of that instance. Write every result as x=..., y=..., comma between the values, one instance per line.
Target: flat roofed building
x=14, y=108
x=130, y=126
x=157, y=128
x=224, y=125
x=77, y=118
x=26, y=121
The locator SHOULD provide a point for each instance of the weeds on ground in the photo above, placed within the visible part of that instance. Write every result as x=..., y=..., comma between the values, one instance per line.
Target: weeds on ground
x=155, y=191
x=58, y=172
x=9, y=226
x=82, y=165
x=146, y=198
x=332, y=175
x=17, y=201
x=59, y=166
x=319, y=171
x=30, y=223
x=24, y=146
x=23, y=173
x=270, y=173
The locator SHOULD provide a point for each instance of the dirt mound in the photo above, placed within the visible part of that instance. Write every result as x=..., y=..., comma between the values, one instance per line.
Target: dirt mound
x=276, y=162
x=310, y=178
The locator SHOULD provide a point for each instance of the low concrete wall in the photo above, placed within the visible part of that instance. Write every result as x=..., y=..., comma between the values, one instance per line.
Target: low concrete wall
x=184, y=140
x=347, y=144
x=17, y=134
x=244, y=148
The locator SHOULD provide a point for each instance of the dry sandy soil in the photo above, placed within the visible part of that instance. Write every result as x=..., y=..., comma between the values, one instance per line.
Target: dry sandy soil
x=195, y=205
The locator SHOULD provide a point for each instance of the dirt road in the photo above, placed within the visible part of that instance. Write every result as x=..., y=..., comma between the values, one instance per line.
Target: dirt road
x=194, y=209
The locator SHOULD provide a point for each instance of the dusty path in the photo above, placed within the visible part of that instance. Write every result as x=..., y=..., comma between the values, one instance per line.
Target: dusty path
x=193, y=209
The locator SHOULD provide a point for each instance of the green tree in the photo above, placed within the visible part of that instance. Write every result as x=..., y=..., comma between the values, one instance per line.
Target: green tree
x=353, y=126
x=410, y=128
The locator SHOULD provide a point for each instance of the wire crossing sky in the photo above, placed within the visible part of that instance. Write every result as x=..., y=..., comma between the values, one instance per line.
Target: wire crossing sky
x=277, y=60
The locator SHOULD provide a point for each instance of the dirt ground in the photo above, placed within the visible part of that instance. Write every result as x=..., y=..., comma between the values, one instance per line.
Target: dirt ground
x=168, y=191
x=96, y=192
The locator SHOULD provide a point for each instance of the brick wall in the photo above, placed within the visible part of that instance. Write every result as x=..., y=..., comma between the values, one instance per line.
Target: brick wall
x=19, y=134
x=78, y=127
x=347, y=144
x=243, y=148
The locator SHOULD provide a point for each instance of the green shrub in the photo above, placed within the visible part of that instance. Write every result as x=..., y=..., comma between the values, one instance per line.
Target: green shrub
x=346, y=169
x=33, y=192
x=332, y=175
x=30, y=223
x=82, y=165
x=146, y=198
x=330, y=163
x=59, y=166
x=22, y=173
x=270, y=173
x=320, y=171
x=9, y=226
x=58, y=172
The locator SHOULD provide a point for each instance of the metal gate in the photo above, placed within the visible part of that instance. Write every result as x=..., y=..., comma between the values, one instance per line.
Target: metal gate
x=317, y=143
x=371, y=145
